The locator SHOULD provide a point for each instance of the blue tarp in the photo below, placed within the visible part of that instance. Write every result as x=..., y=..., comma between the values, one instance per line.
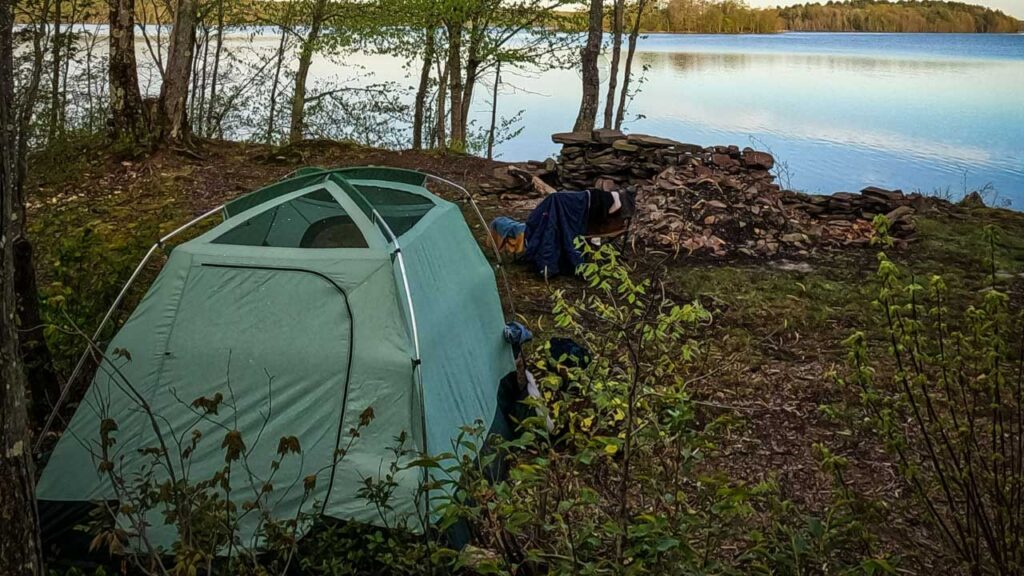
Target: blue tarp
x=551, y=230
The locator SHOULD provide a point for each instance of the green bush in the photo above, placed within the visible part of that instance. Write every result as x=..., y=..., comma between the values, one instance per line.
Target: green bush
x=949, y=408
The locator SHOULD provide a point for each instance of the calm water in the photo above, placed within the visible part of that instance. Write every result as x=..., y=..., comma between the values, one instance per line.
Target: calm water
x=914, y=111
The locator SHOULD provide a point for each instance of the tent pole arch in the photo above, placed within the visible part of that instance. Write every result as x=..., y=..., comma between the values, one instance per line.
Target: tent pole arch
x=110, y=313
x=500, y=266
x=417, y=362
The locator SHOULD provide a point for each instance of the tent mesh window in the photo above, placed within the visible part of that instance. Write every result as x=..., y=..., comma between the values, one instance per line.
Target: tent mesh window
x=400, y=210
x=314, y=220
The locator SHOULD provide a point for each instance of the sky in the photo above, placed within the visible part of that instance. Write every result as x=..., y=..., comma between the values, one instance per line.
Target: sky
x=1012, y=7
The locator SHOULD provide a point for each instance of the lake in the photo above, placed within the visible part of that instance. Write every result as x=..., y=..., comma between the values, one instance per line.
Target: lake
x=936, y=113
x=928, y=112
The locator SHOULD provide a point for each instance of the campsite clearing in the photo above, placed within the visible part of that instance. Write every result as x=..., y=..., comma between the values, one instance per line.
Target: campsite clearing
x=778, y=325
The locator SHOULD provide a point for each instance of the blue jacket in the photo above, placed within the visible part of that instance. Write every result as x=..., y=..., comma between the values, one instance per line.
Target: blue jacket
x=551, y=230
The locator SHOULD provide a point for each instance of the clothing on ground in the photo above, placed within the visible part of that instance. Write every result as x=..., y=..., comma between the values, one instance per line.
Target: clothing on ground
x=509, y=235
x=551, y=232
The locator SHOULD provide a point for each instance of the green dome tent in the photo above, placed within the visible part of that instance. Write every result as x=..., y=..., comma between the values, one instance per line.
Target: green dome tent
x=328, y=293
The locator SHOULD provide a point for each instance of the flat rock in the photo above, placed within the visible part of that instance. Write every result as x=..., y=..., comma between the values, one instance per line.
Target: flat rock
x=899, y=213
x=624, y=146
x=607, y=135
x=843, y=197
x=691, y=149
x=572, y=138
x=883, y=194
x=794, y=238
x=652, y=141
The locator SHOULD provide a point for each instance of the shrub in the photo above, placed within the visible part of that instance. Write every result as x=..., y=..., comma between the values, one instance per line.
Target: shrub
x=951, y=409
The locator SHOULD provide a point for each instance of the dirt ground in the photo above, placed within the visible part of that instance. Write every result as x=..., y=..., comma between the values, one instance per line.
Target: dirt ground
x=776, y=335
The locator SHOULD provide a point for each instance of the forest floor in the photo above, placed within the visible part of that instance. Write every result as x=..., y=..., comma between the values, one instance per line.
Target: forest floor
x=776, y=336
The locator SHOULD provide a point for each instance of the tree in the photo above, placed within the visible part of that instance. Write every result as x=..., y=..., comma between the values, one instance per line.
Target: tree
x=20, y=550
x=454, y=25
x=173, y=123
x=628, y=74
x=317, y=16
x=320, y=26
x=591, y=79
x=35, y=353
x=419, y=110
x=125, y=98
x=613, y=73
x=486, y=32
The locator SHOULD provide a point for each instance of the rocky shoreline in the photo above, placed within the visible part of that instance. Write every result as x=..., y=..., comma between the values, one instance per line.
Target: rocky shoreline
x=718, y=201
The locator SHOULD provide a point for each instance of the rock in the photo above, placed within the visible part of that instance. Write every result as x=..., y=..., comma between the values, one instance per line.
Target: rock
x=691, y=149
x=624, y=146
x=571, y=138
x=718, y=201
x=891, y=196
x=972, y=200
x=847, y=197
x=760, y=160
x=722, y=160
x=794, y=238
x=607, y=135
x=899, y=213
x=502, y=181
x=652, y=141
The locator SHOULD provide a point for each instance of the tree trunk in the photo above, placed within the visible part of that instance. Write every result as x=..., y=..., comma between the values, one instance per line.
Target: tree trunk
x=125, y=97
x=421, y=90
x=472, y=71
x=35, y=353
x=494, y=111
x=32, y=345
x=620, y=114
x=173, y=124
x=210, y=114
x=457, y=138
x=69, y=54
x=298, y=120
x=613, y=73
x=442, y=115
x=197, y=100
x=591, y=79
x=55, y=43
x=277, y=82
x=20, y=551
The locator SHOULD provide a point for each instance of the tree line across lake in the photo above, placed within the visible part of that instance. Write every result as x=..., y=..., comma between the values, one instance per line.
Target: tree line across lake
x=736, y=17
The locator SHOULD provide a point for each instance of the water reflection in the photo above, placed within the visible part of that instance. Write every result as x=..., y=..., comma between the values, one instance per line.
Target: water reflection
x=699, y=61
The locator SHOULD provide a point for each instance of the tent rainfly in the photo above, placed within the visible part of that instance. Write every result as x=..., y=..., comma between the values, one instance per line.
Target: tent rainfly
x=318, y=297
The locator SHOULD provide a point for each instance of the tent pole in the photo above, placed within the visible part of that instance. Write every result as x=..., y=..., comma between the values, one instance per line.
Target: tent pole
x=416, y=362
x=500, y=266
x=106, y=318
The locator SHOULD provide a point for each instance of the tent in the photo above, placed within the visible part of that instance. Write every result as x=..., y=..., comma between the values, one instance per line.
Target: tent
x=320, y=296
